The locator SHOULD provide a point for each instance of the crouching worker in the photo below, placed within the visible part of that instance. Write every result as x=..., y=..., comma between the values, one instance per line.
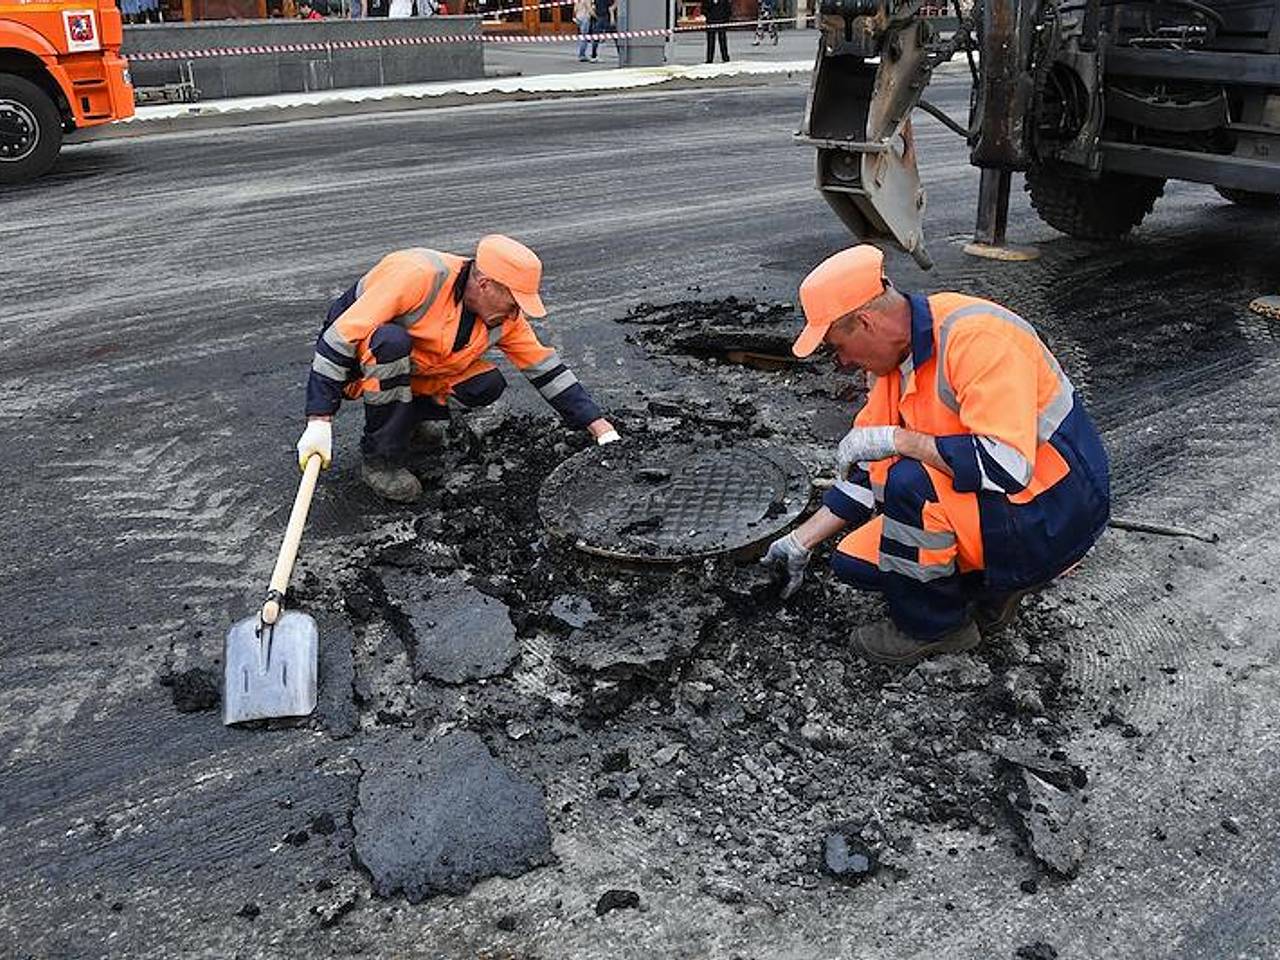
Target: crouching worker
x=411, y=335
x=972, y=474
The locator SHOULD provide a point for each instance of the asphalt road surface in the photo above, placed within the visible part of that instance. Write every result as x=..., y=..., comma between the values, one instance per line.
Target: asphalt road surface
x=161, y=299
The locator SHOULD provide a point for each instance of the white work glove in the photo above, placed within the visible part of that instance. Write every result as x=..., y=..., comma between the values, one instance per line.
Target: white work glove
x=863, y=445
x=787, y=561
x=609, y=436
x=317, y=438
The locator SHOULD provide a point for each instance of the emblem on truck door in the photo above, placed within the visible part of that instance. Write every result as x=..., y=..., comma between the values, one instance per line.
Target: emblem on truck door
x=82, y=30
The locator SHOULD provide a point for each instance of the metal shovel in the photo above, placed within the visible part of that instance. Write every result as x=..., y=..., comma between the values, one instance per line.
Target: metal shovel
x=271, y=660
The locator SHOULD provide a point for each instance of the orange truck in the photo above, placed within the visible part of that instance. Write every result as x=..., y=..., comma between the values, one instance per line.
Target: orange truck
x=60, y=70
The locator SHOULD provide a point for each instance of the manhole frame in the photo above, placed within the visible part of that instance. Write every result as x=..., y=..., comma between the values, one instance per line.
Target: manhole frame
x=798, y=494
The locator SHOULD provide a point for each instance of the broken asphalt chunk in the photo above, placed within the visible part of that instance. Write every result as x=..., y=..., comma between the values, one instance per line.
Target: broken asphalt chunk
x=457, y=633
x=612, y=900
x=573, y=611
x=667, y=635
x=438, y=816
x=848, y=857
x=1036, y=951
x=1052, y=821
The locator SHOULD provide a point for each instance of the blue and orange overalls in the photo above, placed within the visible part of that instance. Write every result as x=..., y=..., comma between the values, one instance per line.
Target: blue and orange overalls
x=401, y=340
x=1029, y=492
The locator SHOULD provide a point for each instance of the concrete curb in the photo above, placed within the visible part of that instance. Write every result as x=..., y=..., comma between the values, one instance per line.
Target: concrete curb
x=253, y=111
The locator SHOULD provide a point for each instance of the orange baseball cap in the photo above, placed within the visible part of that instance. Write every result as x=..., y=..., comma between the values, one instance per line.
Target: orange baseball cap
x=514, y=266
x=841, y=283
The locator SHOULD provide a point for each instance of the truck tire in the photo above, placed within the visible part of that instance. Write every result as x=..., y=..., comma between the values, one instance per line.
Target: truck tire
x=1247, y=198
x=1102, y=209
x=30, y=130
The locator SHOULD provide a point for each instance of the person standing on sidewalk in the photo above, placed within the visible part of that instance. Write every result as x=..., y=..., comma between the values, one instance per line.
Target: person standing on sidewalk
x=718, y=13
x=605, y=21
x=764, y=19
x=582, y=18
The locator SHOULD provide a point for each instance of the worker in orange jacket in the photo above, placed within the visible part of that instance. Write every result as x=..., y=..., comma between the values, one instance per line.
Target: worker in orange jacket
x=971, y=474
x=411, y=335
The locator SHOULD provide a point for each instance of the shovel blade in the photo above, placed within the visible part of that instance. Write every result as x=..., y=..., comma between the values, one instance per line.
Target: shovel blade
x=270, y=671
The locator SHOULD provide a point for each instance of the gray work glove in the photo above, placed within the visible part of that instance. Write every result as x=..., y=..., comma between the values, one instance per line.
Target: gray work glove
x=787, y=561
x=864, y=445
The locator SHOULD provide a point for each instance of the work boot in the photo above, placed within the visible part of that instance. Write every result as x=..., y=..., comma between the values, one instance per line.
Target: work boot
x=429, y=436
x=884, y=643
x=997, y=612
x=390, y=482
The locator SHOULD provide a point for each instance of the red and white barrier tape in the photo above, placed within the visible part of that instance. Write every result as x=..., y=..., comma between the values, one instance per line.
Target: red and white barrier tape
x=329, y=46
x=490, y=16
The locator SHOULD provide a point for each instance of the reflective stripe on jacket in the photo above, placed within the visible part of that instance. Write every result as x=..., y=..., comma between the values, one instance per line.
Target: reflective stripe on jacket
x=1030, y=489
x=421, y=291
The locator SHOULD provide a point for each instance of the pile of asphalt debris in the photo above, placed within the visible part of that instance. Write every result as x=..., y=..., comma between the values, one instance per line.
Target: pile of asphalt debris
x=693, y=690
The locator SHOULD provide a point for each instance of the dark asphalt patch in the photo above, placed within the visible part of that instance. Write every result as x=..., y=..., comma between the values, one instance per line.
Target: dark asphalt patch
x=438, y=816
x=612, y=900
x=335, y=708
x=194, y=690
x=457, y=634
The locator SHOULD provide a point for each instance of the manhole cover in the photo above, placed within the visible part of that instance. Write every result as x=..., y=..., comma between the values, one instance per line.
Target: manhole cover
x=675, y=502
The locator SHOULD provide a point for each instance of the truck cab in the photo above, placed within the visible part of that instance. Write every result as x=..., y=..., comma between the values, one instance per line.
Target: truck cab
x=60, y=70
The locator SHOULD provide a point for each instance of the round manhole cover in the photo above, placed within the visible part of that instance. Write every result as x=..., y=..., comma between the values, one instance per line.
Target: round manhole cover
x=675, y=502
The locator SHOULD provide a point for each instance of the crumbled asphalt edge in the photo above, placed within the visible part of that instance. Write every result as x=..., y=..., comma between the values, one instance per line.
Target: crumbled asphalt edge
x=777, y=724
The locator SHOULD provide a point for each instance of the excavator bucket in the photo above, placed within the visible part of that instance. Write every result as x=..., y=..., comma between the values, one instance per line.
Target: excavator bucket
x=858, y=116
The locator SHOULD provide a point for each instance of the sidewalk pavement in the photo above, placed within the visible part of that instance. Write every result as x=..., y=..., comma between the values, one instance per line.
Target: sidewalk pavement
x=247, y=111
x=521, y=72
x=691, y=48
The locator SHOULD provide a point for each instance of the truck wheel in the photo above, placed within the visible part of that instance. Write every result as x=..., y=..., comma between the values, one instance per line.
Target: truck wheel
x=30, y=130
x=1100, y=209
x=1247, y=198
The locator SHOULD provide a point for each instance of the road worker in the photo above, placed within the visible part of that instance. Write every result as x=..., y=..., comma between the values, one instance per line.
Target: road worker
x=410, y=337
x=971, y=474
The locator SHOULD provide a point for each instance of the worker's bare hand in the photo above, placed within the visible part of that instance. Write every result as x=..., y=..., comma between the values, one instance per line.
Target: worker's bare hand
x=603, y=431
x=787, y=561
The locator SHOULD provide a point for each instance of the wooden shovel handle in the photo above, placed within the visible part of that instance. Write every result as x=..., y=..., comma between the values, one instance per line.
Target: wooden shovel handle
x=292, y=537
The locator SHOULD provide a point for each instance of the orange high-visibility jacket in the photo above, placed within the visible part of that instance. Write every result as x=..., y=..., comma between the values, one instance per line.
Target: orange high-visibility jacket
x=416, y=289
x=1009, y=425
x=421, y=291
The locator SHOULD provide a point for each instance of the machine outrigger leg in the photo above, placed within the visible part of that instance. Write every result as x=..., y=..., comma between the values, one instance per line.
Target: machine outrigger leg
x=993, y=220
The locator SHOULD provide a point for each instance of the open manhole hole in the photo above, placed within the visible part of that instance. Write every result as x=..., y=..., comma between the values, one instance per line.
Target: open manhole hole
x=679, y=501
x=729, y=331
x=748, y=348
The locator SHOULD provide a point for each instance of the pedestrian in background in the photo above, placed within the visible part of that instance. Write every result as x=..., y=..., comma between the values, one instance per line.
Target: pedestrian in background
x=605, y=13
x=582, y=18
x=717, y=13
x=765, y=19
x=140, y=11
